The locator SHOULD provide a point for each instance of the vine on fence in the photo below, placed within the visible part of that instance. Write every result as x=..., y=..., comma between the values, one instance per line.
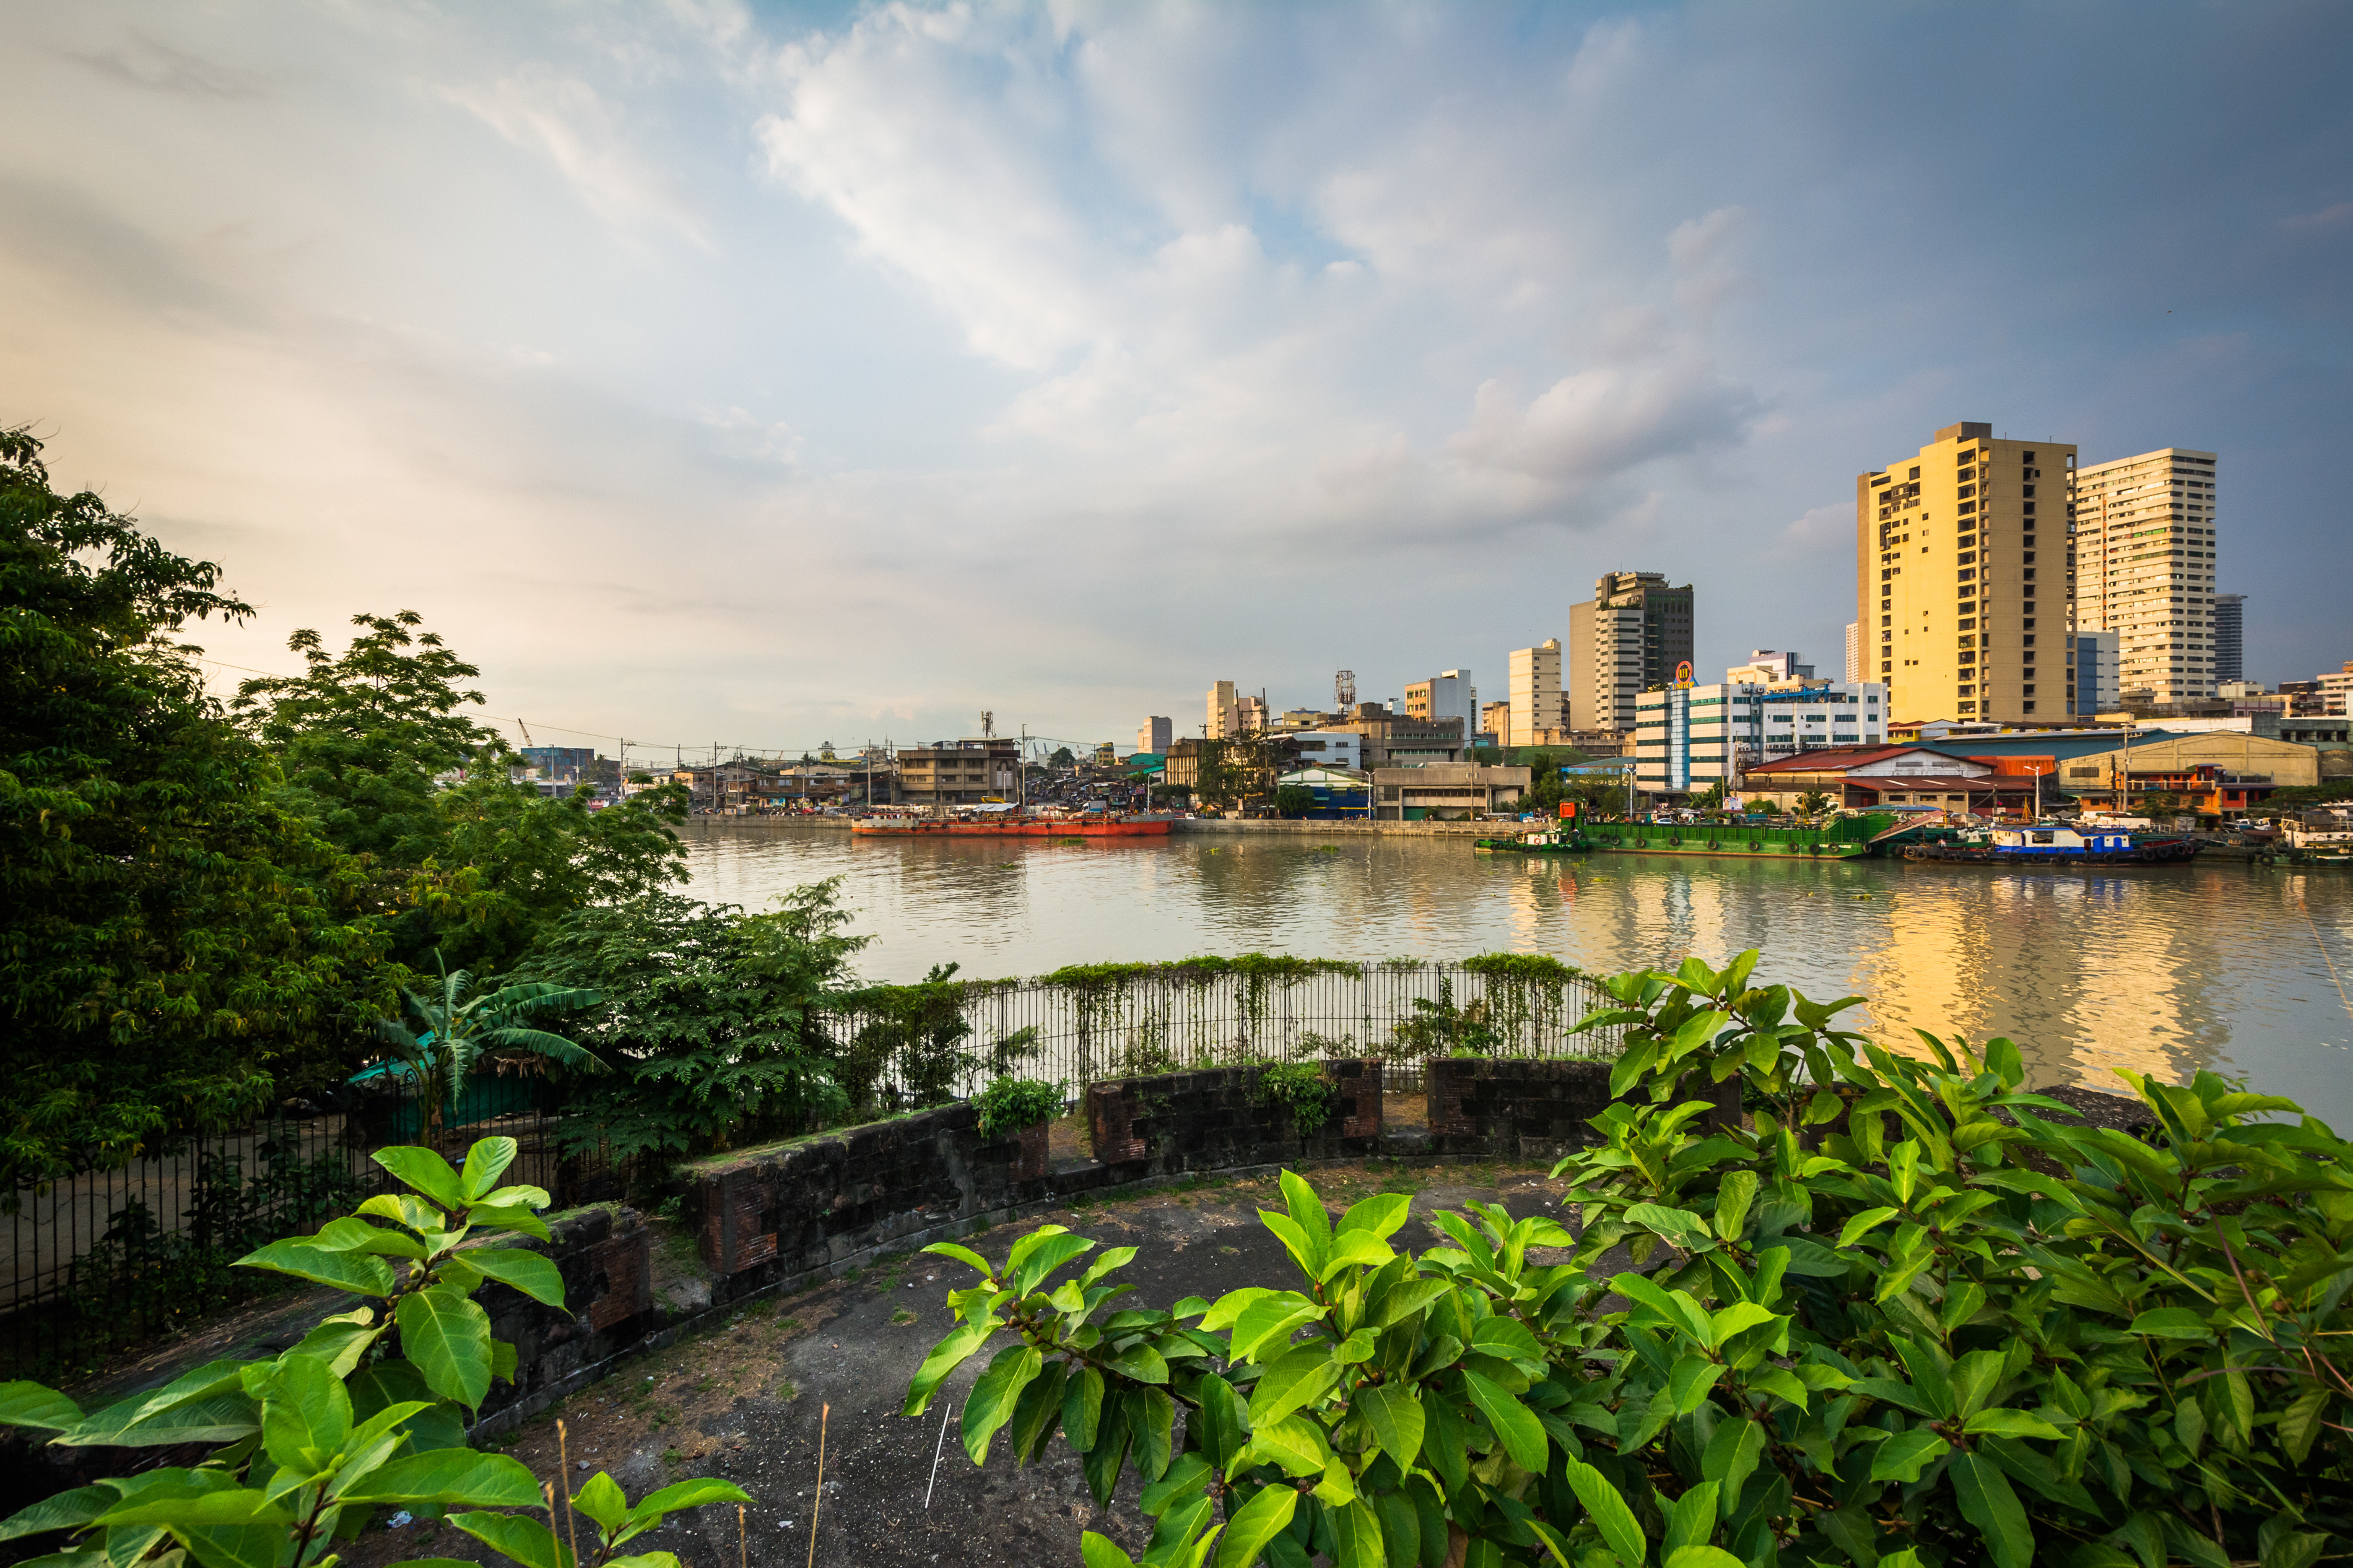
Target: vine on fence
x=1301, y=1088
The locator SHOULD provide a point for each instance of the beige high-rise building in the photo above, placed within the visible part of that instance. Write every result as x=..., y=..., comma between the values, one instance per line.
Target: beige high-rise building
x=1535, y=699
x=1961, y=578
x=1225, y=717
x=2144, y=568
x=1633, y=634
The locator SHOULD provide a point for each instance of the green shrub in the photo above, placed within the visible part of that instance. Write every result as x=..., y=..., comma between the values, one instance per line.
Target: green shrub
x=1906, y=1320
x=1010, y=1104
x=1303, y=1089
x=316, y=1442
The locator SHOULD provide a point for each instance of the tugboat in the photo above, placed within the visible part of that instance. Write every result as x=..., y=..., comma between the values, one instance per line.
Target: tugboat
x=2057, y=844
x=1562, y=840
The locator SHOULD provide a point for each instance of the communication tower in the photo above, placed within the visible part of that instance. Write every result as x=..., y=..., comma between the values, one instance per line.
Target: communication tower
x=987, y=725
x=1344, y=691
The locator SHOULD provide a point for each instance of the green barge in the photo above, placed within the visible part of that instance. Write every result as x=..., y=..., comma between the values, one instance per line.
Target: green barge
x=1847, y=838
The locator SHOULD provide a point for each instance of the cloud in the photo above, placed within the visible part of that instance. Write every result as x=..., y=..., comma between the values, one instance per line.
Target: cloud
x=2339, y=216
x=144, y=62
x=567, y=121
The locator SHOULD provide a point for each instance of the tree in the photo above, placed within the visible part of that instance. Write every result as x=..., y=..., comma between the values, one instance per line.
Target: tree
x=176, y=945
x=1760, y=806
x=1813, y=803
x=461, y=1030
x=479, y=867
x=1062, y=758
x=1712, y=798
x=708, y=1019
x=1293, y=800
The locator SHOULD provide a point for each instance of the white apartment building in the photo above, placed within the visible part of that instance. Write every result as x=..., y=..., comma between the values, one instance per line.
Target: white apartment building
x=1855, y=669
x=1446, y=696
x=2144, y=544
x=1686, y=739
x=1330, y=748
x=1535, y=703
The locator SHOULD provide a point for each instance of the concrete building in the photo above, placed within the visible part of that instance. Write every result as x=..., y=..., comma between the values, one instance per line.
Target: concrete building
x=1865, y=778
x=1225, y=717
x=1854, y=666
x=1689, y=738
x=2230, y=656
x=2144, y=542
x=1770, y=667
x=1631, y=635
x=2095, y=680
x=1340, y=793
x=1330, y=748
x=1154, y=734
x=1496, y=719
x=960, y=773
x=1536, y=703
x=1444, y=792
x=1442, y=697
x=1948, y=572
x=2223, y=771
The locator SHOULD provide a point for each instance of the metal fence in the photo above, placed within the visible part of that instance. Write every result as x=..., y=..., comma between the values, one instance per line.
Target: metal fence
x=1175, y=1018
x=110, y=1257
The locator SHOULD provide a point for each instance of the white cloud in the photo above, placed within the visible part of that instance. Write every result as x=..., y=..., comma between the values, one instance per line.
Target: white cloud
x=578, y=130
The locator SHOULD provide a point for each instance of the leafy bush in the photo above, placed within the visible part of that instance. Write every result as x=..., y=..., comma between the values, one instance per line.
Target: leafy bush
x=1439, y=1028
x=1303, y=1089
x=319, y=1439
x=1293, y=800
x=1009, y=1104
x=1907, y=1319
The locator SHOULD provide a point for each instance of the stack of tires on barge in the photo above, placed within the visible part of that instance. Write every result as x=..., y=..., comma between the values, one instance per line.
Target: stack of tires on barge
x=2052, y=844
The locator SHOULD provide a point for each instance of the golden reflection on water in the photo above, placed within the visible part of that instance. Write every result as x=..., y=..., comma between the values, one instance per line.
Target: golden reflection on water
x=2163, y=970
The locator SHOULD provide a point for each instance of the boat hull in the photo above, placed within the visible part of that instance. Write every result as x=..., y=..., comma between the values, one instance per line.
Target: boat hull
x=1024, y=828
x=1513, y=847
x=1751, y=844
x=2171, y=852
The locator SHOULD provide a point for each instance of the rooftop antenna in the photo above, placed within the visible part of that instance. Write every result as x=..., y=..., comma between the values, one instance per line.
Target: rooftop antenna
x=1344, y=691
x=987, y=725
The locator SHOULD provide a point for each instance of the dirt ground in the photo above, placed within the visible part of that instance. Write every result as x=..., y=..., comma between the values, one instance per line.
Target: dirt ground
x=744, y=1400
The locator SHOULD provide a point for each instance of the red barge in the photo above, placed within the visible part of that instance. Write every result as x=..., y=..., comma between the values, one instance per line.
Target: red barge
x=1014, y=826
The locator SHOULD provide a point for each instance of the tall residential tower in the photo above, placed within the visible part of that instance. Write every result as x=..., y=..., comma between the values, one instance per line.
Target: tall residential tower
x=1631, y=635
x=1961, y=577
x=1536, y=701
x=2145, y=567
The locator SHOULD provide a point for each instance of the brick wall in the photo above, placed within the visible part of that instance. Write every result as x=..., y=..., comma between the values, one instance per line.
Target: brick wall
x=1223, y=1117
x=1511, y=1108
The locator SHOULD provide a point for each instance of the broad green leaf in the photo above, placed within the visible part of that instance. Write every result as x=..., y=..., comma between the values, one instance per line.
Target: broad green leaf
x=1735, y=1319
x=1988, y=1503
x=230, y=1505
x=947, y=1356
x=1152, y=1418
x=1693, y=1519
x=485, y=1162
x=1864, y=1224
x=1355, y=1249
x=1689, y=1380
x=65, y=1510
x=360, y=1271
x=1679, y=1310
x=338, y=1346
x=1102, y=1551
x=352, y=1233
x=533, y=1274
x=1050, y=1254
x=964, y=1254
x=1141, y=1362
x=2005, y=1423
x=1221, y=1423
x=1733, y=1197
x=425, y=1171
x=1514, y=1423
x=1292, y=1381
x=1506, y=1338
x=1188, y=1477
x=1383, y=1214
x=1256, y=1523
x=697, y=1493
x=1703, y=1556
x=1357, y=1530
x=1395, y=1416
x=1674, y=1227
x=1083, y=1400
x=305, y=1416
x=1308, y=1212
x=32, y=1405
x=1117, y=1257
x=516, y=1218
x=991, y=1403
x=1405, y=1299
x=603, y=1501
x=1264, y=1329
x=1608, y=1512
x=1294, y=1443
x=2172, y=1323
x=1902, y=1457
x=447, y=1338
x=515, y=1535
x=1732, y=1455
x=1037, y=1411
x=452, y=1478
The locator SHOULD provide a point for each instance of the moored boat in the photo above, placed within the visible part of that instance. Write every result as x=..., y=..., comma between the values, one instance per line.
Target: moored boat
x=2058, y=844
x=1544, y=841
x=1015, y=825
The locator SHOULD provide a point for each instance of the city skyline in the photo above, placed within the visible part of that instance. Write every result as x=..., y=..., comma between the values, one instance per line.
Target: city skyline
x=787, y=374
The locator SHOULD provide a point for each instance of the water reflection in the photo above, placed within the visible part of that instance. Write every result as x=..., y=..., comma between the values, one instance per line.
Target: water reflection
x=2163, y=970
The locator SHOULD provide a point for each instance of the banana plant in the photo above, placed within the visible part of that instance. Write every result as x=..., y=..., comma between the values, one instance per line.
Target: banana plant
x=459, y=1029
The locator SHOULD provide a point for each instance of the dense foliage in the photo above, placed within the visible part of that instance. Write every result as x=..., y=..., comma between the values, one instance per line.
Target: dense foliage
x=1009, y=1104
x=316, y=1442
x=1903, y=1315
x=177, y=941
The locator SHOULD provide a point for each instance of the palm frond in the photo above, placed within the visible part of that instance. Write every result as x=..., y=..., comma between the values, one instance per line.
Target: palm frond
x=541, y=1043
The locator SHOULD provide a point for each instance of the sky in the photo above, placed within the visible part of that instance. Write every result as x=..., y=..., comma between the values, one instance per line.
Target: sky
x=766, y=376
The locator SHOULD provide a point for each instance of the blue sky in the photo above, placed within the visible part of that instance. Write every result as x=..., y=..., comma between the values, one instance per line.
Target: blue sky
x=771, y=376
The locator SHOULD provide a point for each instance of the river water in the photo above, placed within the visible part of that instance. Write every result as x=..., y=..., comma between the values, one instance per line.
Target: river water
x=2241, y=969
